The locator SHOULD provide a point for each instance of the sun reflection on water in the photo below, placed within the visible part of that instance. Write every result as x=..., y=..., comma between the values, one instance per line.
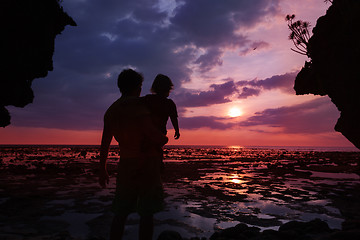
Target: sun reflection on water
x=234, y=178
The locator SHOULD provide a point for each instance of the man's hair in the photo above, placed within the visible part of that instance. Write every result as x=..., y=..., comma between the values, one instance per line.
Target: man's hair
x=129, y=80
x=162, y=84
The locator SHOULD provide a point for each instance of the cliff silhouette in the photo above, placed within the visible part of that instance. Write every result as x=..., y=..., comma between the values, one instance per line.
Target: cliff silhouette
x=29, y=28
x=334, y=51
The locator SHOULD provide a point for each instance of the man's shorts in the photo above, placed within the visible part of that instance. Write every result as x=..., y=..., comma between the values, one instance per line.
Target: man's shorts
x=138, y=187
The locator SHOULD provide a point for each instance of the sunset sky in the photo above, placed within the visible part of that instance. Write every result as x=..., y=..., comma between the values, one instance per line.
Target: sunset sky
x=230, y=62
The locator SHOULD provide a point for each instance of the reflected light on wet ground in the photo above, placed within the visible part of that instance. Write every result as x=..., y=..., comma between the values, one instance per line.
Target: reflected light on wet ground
x=234, y=178
x=266, y=188
x=206, y=189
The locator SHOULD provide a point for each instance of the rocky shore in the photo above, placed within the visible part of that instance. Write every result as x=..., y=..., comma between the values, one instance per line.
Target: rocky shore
x=294, y=230
x=213, y=194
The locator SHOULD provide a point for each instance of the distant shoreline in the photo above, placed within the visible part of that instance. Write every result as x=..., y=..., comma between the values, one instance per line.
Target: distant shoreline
x=287, y=148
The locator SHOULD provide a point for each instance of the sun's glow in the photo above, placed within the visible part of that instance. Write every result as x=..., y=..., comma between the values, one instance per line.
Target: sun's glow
x=234, y=112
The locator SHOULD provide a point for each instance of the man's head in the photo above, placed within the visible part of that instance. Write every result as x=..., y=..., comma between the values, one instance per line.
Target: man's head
x=130, y=82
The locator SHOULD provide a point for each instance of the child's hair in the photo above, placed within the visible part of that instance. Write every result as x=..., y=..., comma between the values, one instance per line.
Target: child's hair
x=162, y=84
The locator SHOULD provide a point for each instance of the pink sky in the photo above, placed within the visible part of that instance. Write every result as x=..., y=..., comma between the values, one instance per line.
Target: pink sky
x=220, y=55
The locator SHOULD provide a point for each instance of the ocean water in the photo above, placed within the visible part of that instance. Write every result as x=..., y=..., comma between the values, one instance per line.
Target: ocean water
x=288, y=148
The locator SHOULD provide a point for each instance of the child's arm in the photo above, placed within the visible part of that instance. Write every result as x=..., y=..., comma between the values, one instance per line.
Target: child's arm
x=175, y=124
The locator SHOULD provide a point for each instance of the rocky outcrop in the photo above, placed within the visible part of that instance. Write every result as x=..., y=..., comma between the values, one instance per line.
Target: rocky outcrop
x=29, y=28
x=334, y=50
x=294, y=230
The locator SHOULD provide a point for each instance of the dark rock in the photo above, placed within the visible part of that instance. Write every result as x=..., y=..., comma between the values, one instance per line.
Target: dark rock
x=314, y=226
x=4, y=117
x=169, y=235
x=333, y=69
x=271, y=235
x=215, y=236
x=294, y=230
x=351, y=224
x=95, y=238
x=344, y=235
x=83, y=153
x=29, y=28
x=240, y=231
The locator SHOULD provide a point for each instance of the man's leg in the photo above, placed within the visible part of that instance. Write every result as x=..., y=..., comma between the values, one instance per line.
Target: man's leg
x=146, y=227
x=117, y=227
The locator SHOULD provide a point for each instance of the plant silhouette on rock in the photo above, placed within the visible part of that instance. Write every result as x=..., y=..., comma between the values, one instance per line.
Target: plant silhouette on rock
x=334, y=54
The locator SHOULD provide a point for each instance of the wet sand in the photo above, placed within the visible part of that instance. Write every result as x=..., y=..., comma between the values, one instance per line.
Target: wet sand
x=52, y=192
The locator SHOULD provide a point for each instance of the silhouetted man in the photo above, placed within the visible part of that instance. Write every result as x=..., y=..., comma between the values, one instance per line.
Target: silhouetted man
x=138, y=185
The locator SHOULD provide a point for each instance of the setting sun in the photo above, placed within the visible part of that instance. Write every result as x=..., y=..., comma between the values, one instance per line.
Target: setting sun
x=234, y=112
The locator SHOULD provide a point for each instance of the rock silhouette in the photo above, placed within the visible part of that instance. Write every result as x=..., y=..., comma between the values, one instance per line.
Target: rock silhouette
x=29, y=28
x=313, y=230
x=333, y=70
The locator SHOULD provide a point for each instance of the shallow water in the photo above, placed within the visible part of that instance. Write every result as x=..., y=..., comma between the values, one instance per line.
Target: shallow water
x=207, y=189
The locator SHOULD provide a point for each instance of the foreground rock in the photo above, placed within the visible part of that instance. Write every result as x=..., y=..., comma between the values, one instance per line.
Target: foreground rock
x=313, y=230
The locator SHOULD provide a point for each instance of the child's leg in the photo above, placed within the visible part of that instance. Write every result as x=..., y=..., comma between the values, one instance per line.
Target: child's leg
x=146, y=227
x=117, y=227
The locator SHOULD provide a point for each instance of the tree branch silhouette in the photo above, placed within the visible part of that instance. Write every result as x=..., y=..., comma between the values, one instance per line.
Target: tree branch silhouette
x=299, y=34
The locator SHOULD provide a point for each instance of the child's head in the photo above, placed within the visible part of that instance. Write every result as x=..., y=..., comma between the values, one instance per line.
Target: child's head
x=162, y=85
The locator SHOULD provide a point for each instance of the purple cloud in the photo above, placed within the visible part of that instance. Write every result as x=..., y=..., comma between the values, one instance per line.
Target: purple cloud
x=312, y=117
x=204, y=122
x=219, y=93
x=316, y=116
x=248, y=92
x=209, y=60
x=283, y=82
x=211, y=22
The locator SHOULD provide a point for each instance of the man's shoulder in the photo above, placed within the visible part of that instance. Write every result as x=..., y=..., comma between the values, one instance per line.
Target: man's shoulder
x=158, y=99
x=150, y=97
x=113, y=107
x=127, y=106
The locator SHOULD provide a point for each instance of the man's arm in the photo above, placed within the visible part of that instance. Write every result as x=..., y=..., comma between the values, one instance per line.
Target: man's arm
x=104, y=150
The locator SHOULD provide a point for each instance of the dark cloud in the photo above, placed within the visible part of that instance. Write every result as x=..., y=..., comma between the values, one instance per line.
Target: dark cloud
x=112, y=35
x=219, y=93
x=316, y=116
x=212, y=22
x=283, y=82
x=248, y=92
x=209, y=60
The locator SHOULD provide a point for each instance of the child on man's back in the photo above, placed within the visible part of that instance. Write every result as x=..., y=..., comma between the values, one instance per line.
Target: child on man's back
x=161, y=107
